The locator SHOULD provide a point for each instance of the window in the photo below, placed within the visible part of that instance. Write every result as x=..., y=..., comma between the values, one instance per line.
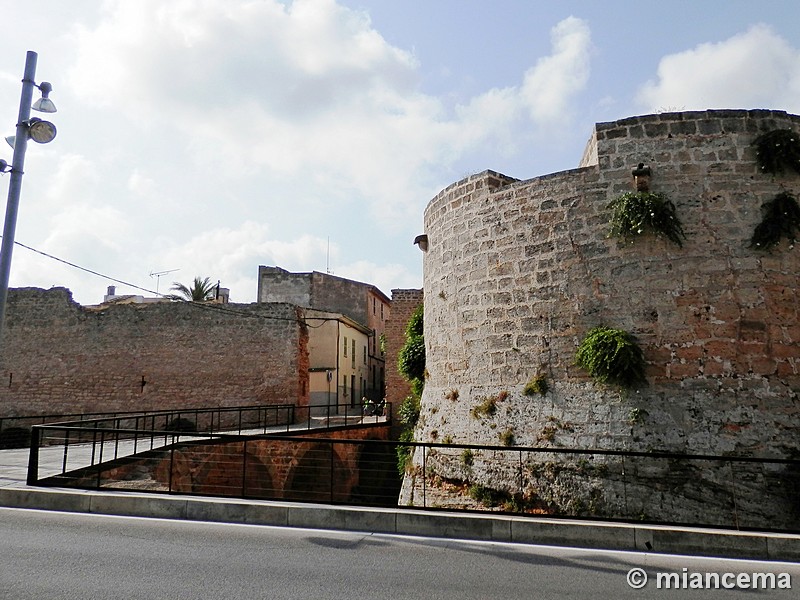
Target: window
x=353, y=354
x=373, y=305
x=365, y=355
x=381, y=311
x=345, y=348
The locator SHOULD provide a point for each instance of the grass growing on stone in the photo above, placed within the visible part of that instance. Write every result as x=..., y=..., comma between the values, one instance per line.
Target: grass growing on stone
x=537, y=385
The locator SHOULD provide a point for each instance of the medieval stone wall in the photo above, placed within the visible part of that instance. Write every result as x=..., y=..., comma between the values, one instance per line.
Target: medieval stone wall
x=404, y=303
x=518, y=272
x=59, y=357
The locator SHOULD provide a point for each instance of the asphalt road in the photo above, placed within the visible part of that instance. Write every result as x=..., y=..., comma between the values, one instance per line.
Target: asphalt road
x=49, y=556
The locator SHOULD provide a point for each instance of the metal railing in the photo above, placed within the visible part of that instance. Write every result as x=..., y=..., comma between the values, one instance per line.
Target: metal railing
x=58, y=448
x=648, y=487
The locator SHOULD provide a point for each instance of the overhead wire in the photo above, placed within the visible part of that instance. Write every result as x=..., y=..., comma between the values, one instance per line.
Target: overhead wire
x=202, y=305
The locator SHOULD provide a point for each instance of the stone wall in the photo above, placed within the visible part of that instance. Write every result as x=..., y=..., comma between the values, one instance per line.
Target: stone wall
x=60, y=357
x=404, y=303
x=517, y=273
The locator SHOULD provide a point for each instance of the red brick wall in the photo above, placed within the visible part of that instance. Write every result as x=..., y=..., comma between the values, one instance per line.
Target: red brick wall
x=404, y=303
x=60, y=357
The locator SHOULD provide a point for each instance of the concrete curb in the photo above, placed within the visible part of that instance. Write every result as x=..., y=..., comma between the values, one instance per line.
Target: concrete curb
x=466, y=526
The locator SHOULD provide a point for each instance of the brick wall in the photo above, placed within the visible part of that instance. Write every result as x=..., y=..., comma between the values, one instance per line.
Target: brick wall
x=60, y=357
x=404, y=303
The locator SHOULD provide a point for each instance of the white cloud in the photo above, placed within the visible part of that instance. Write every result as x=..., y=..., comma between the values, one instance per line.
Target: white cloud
x=754, y=69
x=309, y=89
x=216, y=136
x=550, y=85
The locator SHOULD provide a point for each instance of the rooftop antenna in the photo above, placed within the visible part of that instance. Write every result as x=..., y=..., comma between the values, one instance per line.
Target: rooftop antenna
x=158, y=274
x=328, y=257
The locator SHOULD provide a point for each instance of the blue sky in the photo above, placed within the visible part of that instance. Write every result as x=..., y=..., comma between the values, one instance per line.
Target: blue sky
x=211, y=137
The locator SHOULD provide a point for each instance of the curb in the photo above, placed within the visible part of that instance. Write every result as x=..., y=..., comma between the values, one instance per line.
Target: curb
x=401, y=521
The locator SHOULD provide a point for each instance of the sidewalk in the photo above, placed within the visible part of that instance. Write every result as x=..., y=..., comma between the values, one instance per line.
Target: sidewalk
x=488, y=527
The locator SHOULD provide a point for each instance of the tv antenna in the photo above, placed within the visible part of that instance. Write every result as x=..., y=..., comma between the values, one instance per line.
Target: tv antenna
x=158, y=274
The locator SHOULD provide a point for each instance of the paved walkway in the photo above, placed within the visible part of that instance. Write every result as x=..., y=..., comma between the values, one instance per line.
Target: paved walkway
x=56, y=459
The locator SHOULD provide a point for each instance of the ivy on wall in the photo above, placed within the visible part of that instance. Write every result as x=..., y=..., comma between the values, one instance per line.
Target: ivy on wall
x=635, y=213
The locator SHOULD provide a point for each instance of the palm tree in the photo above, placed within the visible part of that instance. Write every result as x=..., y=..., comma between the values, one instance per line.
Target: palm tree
x=201, y=290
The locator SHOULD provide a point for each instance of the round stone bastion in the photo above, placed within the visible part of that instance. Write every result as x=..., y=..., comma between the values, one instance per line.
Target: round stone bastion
x=517, y=272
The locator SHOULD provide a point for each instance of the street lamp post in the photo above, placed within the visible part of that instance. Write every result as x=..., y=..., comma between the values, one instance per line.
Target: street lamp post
x=40, y=131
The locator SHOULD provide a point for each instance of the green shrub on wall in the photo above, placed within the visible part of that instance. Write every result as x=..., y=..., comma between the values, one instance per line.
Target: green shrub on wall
x=636, y=213
x=778, y=151
x=781, y=218
x=611, y=356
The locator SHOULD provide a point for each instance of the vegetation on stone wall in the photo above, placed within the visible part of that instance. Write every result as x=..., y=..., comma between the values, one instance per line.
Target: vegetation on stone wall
x=636, y=213
x=781, y=218
x=611, y=356
x=488, y=405
x=537, y=385
x=411, y=364
x=411, y=358
x=778, y=151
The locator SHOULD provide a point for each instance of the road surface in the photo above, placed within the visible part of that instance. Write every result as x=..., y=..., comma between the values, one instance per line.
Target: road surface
x=50, y=556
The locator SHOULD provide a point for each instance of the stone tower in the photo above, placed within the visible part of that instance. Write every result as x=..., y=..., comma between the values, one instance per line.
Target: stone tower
x=517, y=272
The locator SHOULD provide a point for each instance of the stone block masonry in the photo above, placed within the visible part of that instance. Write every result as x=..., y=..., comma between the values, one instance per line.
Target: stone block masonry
x=59, y=357
x=517, y=272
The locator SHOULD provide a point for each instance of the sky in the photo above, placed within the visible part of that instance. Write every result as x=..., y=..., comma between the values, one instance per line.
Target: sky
x=206, y=138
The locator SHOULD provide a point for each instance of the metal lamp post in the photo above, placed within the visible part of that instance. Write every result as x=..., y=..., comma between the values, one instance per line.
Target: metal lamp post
x=41, y=132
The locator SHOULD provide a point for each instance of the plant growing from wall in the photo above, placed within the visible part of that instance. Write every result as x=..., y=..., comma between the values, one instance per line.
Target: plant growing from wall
x=611, y=356
x=778, y=151
x=411, y=364
x=781, y=218
x=537, y=385
x=411, y=358
x=507, y=437
x=409, y=415
x=635, y=213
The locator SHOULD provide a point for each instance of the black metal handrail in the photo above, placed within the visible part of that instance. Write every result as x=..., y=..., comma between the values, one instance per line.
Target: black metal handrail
x=738, y=492
x=171, y=425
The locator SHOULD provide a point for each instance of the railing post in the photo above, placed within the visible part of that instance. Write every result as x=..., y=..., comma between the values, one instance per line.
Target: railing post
x=171, y=467
x=733, y=493
x=244, y=468
x=424, y=477
x=116, y=438
x=94, y=442
x=66, y=447
x=100, y=460
x=331, y=447
x=33, y=457
x=624, y=486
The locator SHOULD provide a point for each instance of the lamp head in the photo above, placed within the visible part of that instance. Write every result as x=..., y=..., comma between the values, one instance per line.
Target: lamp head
x=44, y=104
x=41, y=132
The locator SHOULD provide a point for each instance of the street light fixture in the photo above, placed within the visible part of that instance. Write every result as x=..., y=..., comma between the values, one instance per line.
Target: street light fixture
x=39, y=131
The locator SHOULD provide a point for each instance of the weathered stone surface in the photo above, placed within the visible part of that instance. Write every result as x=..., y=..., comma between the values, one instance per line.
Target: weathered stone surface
x=59, y=357
x=717, y=320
